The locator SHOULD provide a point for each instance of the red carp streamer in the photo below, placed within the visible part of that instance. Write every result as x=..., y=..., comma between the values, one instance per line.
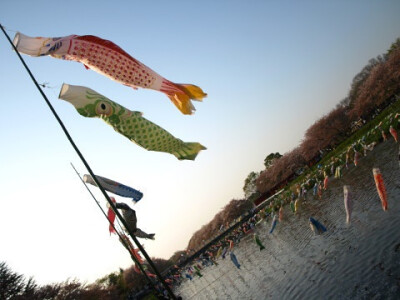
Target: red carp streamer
x=356, y=157
x=135, y=253
x=110, y=60
x=126, y=240
x=384, y=136
x=230, y=244
x=326, y=179
x=111, y=217
x=320, y=190
x=150, y=274
x=136, y=268
x=393, y=132
x=380, y=186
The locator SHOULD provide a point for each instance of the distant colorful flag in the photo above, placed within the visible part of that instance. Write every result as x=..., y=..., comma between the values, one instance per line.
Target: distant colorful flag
x=131, y=124
x=110, y=60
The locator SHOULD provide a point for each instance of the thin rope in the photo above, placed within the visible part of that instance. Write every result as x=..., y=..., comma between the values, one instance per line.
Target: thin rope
x=9, y=29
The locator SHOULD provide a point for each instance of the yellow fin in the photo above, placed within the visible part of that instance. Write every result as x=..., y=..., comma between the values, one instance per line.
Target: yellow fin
x=182, y=99
x=193, y=91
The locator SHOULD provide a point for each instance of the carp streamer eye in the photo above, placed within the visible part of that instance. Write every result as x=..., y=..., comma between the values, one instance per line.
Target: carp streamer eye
x=104, y=108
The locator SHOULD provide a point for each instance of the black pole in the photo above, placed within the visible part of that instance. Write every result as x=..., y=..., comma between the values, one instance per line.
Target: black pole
x=90, y=170
x=120, y=237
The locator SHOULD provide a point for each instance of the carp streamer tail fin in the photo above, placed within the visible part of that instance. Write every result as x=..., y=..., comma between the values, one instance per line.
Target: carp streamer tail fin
x=182, y=94
x=189, y=151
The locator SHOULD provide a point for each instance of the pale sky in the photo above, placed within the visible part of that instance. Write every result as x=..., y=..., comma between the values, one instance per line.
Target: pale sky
x=270, y=68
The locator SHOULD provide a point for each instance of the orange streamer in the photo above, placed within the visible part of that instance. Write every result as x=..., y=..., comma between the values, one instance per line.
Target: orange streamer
x=380, y=186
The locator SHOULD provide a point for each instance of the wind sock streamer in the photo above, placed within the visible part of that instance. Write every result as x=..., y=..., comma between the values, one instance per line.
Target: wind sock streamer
x=111, y=217
x=348, y=205
x=224, y=252
x=131, y=220
x=219, y=252
x=115, y=187
x=384, y=137
x=234, y=260
x=326, y=179
x=380, y=187
x=135, y=253
x=297, y=205
x=315, y=189
x=356, y=157
x=136, y=268
x=258, y=242
x=281, y=214
x=231, y=244
x=130, y=124
x=338, y=172
x=151, y=274
x=393, y=132
x=274, y=221
x=316, y=226
x=126, y=242
x=292, y=206
x=110, y=60
x=320, y=190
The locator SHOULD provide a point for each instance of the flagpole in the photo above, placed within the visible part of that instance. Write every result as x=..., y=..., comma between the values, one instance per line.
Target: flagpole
x=112, y=205
x=113, y=226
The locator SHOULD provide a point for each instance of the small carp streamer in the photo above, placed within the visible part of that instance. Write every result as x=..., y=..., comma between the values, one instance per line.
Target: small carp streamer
x=380, y=187
x=258, y=242
x=131, y=220
x=234, y=260
x=134, y=252
x=130, y=124
x=393, y=132
x=297, y=205
x=111, y=217
x=348, y=204
x=115, y=187
x=110, y=60
x=326, y=180
x=274, y=222
x=281, y=214
x=316, y=226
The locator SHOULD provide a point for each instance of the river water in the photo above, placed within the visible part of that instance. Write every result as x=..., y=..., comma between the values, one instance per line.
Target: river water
x=356, y=261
